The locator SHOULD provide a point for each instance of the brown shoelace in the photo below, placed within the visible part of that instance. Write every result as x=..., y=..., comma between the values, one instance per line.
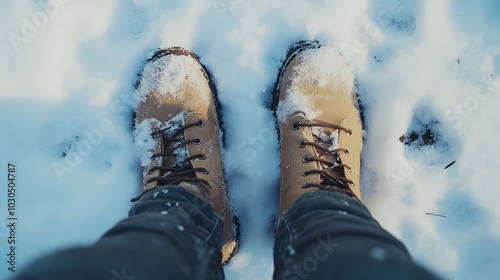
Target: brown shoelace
x=181, y=171
x=332, y=176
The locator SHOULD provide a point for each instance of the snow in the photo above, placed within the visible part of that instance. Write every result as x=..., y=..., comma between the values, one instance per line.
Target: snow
x=297, y=102
x=309, y=64
x=145, y=142
x=67, y=77
x=179, y=69
x=330, y=137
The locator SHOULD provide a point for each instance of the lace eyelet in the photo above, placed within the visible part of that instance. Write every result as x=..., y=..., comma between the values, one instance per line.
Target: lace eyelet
x=306, y=159
x=304, y=174
x=200, y=123
x=349, y=169
x=150, y=171
x=346, y=152
x=202, y=157
x=302, y=144
x=204, y=171
x=153, y=157
x=197, y=141
x=295, y=126
x=349, y=131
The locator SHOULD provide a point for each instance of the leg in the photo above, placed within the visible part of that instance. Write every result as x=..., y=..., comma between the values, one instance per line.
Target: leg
x=169, y=234
x=329, y=235
x=325, y=231
x=184, y=231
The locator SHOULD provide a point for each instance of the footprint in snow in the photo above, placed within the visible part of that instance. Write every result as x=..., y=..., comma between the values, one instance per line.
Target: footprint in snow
x=428, y=140
x=395, y=16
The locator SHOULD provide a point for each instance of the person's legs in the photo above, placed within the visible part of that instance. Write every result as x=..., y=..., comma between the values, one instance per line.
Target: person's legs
x=185, y=231
x=178, y=131
x=325, y=232
x=169, y=234
x=328, y=235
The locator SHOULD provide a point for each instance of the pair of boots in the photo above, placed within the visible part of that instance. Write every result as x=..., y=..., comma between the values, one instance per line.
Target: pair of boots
x=178, y=126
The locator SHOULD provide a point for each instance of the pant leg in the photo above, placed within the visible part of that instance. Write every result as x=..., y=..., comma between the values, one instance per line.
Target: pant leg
x=328, y=235
x=169, y=234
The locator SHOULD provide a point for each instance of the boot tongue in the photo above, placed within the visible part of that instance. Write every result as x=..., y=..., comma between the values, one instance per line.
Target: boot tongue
x=329, y=140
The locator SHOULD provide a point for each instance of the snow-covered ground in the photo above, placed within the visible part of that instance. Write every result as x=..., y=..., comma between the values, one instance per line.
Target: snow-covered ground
x=67, y=70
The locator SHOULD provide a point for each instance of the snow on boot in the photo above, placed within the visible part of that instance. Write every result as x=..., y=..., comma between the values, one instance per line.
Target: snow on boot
x=177, y=128
x=319, y=122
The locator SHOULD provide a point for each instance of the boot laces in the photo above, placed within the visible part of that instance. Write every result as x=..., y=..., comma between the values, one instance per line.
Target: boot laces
x=181, y=170
x=332, y=175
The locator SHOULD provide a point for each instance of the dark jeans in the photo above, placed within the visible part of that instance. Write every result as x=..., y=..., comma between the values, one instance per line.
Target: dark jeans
x=172, y=234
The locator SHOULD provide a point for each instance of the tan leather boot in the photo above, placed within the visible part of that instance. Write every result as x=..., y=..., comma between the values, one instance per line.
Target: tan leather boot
x=320, y=125
x=177, y=127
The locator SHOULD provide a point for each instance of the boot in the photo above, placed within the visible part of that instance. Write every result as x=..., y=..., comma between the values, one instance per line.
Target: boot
x=177, y=127
x=319, y=122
